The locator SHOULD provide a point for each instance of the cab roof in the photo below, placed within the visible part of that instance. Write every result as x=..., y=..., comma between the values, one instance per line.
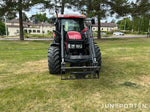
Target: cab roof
x=71, y=16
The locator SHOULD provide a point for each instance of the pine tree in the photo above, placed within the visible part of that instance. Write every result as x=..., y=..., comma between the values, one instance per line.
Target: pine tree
x=58, y=5
x=141, y=15
x=103, y=8
x=9, y=8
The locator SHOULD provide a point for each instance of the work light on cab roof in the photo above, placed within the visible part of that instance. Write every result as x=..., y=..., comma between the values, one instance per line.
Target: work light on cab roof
x=71, y=16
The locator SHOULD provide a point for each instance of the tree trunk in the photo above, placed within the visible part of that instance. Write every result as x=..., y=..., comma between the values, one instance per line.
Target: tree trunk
x=21, y=22
x=139, y=26
x=99, y=27
x=21, y=25
x=62, y=7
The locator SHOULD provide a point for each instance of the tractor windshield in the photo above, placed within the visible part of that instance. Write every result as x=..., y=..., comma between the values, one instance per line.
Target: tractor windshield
x=73, y=24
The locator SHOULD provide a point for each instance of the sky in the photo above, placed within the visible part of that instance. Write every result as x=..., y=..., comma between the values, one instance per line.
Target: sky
x=35, y=10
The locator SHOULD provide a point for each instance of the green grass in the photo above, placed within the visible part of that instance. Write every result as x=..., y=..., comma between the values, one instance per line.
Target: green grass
x=25, y=83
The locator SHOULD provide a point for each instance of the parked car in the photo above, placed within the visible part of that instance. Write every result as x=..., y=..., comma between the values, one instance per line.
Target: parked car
x=118, y=33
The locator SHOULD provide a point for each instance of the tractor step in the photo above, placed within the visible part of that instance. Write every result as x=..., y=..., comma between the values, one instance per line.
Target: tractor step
x=76, y=57
x=80, y=75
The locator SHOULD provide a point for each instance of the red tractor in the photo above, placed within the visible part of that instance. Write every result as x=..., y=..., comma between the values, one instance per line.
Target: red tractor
x=73, y=48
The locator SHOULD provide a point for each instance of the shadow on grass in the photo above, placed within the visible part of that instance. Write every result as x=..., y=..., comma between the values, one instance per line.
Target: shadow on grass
x=131, y=85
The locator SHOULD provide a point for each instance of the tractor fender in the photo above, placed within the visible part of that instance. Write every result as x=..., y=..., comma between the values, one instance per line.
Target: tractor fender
x=85, y=30
x=54, y=44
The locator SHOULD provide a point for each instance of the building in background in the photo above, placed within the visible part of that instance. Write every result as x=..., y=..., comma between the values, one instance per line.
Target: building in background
x=29, y=27
x=105, y=27
x=44, y=28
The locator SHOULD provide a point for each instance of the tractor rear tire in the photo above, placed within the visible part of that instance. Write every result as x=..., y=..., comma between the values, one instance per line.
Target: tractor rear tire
x=54, y=60
x=98, y=55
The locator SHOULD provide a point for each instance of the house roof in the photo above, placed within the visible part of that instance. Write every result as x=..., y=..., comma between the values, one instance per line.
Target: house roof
x=13, y=26
x=28, y=23
x=105, y=25
x=13, y=21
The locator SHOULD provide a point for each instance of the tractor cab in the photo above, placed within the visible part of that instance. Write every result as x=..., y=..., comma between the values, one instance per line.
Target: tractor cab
x=71, y=23
x=73, y=26
x=74, y=41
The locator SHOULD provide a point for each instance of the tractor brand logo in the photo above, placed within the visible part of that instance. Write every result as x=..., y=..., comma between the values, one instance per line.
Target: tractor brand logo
x=74, y=37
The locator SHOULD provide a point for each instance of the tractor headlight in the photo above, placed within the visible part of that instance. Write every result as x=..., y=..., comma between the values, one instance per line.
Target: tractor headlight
x=79, y=46
x=73, y=46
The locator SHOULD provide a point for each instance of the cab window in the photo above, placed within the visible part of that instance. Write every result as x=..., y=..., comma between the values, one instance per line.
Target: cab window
x=73, y=24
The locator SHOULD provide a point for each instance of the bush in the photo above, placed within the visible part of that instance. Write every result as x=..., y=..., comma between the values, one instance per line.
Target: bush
x=50, y=33
x=136, y=33
x=127, y=32
x=2, y=28
x=26, y=35
x=109, y=32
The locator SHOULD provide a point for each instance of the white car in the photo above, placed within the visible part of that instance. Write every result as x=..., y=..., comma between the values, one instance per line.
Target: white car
x=118, y=33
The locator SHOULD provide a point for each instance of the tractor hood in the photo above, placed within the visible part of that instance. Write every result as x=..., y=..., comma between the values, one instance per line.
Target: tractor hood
x=73, y=35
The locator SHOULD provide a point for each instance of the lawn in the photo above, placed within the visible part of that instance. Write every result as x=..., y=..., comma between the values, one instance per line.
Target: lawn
x=25, y=83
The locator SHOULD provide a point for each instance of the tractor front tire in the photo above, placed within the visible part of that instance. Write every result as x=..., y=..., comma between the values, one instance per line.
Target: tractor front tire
x=98, y=55
x=54, y=60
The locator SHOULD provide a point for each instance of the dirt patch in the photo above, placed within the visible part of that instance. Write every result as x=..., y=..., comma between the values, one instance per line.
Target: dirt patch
x=2, y=66
x=34, y=66
x=126, y=58
x=3, y=69
x=95, y=98
x=121, y=48
x=145, y=79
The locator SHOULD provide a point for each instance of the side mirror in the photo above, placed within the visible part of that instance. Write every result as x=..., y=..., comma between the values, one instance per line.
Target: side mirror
x=93, y=21
x=53, y=20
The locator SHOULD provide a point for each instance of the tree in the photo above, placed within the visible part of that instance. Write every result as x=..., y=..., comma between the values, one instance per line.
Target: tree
x=140, y=8
x=93, y=8
x=125, y=24
x=62, y=6
x=141, y=24
x=2, y=28
x=141, y=15
x=113, y=21
x=40, y=17
x=11, y=7
x=24, y=17
x=65, y=3
x=102, y=8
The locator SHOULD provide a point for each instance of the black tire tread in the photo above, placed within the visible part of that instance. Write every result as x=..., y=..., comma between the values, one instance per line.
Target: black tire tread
x=98, y=55
x=54, y=60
